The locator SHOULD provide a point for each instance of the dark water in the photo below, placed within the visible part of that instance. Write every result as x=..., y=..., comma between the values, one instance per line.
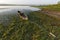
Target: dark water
x=7, y=15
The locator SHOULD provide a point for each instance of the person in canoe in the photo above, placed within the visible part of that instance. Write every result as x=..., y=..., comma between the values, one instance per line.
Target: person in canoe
x=22, y=15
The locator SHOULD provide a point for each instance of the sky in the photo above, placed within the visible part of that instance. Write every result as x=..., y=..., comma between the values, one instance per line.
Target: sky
x=28, y=1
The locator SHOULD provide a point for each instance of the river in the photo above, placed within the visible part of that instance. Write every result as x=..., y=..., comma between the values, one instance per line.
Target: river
x=8, y=12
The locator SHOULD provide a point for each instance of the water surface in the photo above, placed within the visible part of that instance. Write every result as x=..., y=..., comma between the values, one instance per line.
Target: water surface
x=7, y=13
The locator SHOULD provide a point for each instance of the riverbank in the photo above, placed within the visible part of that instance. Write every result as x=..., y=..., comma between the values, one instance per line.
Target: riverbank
x=40, y=26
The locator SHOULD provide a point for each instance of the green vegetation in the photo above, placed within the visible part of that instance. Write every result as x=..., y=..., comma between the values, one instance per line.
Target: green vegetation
x=55, y=7
x=38, y=27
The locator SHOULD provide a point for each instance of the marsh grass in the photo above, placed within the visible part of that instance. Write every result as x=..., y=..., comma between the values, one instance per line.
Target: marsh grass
x=37, y=27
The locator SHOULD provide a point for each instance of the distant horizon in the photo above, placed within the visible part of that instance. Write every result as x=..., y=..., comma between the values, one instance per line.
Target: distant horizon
x=24, y=4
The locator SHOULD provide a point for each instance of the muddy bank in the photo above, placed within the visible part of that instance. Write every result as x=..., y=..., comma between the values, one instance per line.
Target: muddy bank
x=51, y=12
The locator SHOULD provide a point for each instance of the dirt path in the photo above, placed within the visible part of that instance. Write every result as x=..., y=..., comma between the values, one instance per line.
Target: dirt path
x=52, y=13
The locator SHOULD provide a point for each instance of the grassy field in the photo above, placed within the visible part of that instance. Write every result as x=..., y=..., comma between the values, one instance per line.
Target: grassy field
x=40, y=26
x=55, y=7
